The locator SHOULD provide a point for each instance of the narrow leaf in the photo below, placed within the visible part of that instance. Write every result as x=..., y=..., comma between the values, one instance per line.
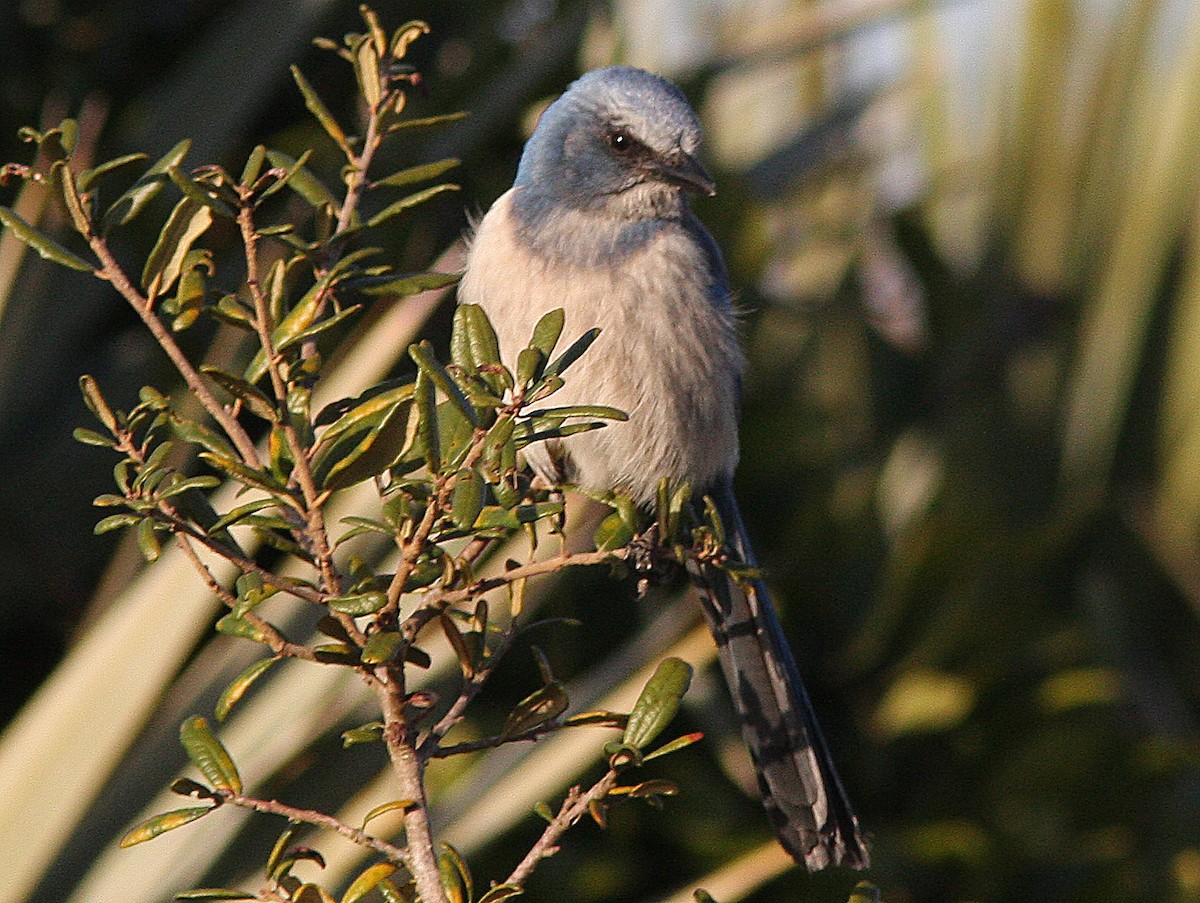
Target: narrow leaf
x=160, y=824
x=238, y=687
x=209, y=755
x=658, y=702
x=406, y=203
x=317, y=107
x=47, y=248
x=366, y=881
x=418, y=173
x=384, y=808
x=187, y=222
x=134, y=201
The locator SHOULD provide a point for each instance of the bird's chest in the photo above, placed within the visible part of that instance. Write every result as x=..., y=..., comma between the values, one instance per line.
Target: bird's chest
x=666, y=354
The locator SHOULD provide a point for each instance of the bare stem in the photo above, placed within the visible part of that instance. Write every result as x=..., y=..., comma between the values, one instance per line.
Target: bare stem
x=319, y=819
x=574, y=807
x=388, y=682
x=111, y=272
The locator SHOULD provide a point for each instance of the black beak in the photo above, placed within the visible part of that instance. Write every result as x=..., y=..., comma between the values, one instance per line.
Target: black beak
x=685, y=172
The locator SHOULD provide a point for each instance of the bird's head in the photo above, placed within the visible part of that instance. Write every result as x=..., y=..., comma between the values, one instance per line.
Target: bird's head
x=618, y=139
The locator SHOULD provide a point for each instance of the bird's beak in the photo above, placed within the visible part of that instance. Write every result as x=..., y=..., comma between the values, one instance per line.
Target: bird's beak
x=684, y=171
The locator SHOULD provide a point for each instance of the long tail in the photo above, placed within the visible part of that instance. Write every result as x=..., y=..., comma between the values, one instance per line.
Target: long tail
x=800, y=786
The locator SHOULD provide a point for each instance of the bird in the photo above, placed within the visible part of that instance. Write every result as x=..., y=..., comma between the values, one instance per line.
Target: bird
x=598, y=223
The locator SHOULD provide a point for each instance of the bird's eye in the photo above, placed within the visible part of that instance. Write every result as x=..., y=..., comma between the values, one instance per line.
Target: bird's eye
x=620, y=141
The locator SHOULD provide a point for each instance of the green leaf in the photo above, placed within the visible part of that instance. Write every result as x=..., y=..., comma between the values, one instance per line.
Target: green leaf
x=115, y=522
x=364, y=733
x=366, y=881
x=406, y=203
x=422, y=354
x=548, y=331
x=658, y=702
x=215, y=893
x=364, y=441
x=456, y=877
x=674, y=745
x=301, y=180
x=235, y=625
x=147, y=540
x=412, y=284
x=254, y=399
x=91, y=437
x=481, y=337
x=501, y=892
x=317, y=107
x=187, y=222
x=384, y=808
x=428, y=121
x=160, y=824
x=420, y=173
x=358, y=604
x=540, y=706
x=255, y=479
x=134, y=201
x=89, y=177
x=405, y=35
x=209, y=755
x=613, y=533
x=238, y=687
x=467, y=499
x=47, y=248
x=382, y=647
x=578, y=410
x=573, y=353
x=96, y=402
x=198, y=193
x=425, y=397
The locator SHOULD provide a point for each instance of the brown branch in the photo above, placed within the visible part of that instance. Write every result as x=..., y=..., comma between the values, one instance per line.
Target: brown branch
x=320, y=820
x=574, y=807
x=388, y=682
x=111, y=272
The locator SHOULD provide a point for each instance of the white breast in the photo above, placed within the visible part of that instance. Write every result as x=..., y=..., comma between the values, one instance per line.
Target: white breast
x=667, y=353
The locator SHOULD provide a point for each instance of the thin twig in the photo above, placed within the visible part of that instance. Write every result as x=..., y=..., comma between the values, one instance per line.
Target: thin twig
x=321, y=820
x=388, y=682
x=574, y=807
x=111, y=272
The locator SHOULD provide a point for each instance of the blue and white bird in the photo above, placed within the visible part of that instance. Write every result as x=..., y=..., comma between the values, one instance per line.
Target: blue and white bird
x=598, y=223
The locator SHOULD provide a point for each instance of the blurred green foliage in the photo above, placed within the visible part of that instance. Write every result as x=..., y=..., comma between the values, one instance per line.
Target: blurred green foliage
x=969, y=437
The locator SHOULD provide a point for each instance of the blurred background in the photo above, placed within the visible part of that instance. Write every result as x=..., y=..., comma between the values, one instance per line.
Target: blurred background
x=963, y=237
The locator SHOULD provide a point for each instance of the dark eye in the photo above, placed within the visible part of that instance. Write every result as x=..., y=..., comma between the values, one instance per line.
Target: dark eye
x=621, y=141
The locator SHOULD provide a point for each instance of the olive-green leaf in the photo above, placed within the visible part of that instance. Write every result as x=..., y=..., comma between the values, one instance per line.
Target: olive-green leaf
x=358, y=604
x=613, y=533
x=301, y=180
x=366, y=881
x=501, y=892
x=412, y=284
x=160, y=824
x=209, y=755
x=89, y=177
x=317, y=107
x=238, y=687
x=251, y=397
x=134, y=201
x=467, y=499
x=187, y=222
x=548, y=331
x=574, y=351
x=540, y=706
x=238, y=626
x=419, y=173
x=422, y=354
x=384, y=808
x=382, y=647
x=406, y=203
x=46, y=247
x=658, y=702
x=215, y=893
x=456, y=877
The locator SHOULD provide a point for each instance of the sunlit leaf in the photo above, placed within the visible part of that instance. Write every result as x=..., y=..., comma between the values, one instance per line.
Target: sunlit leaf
x=209, y=755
